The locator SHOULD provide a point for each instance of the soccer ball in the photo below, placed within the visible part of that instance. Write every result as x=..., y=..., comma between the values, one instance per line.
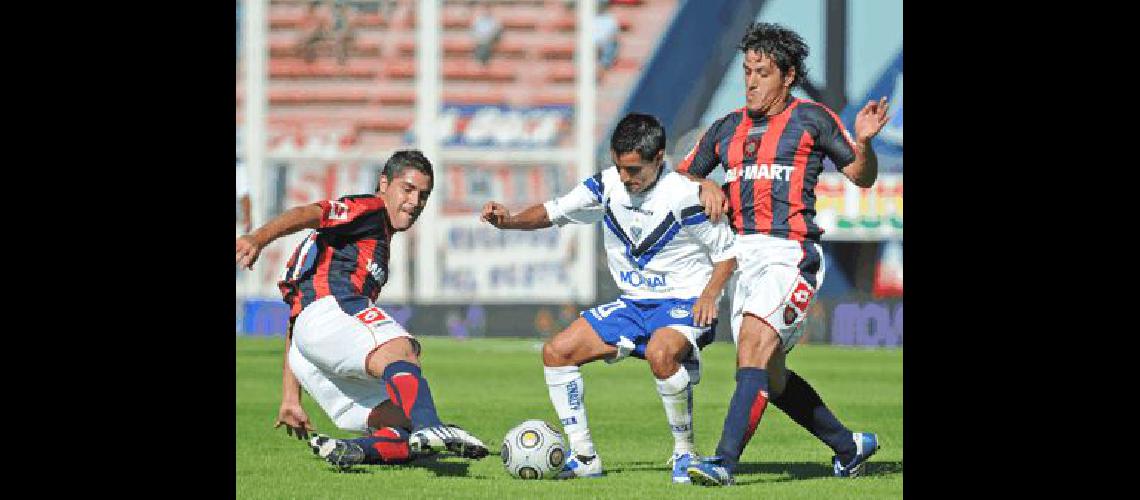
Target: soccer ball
x=533, y=450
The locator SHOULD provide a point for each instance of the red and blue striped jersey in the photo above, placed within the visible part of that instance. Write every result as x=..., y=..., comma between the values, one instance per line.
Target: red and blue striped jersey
x=772, y=164
x=346, y=257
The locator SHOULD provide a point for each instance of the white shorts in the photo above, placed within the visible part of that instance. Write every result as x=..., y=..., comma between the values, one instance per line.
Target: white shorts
x=776, y=280
x=328, y=356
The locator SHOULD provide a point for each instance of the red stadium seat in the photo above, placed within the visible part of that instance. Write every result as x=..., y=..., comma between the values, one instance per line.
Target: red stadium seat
x=388, y=124
x=557, y=50
x=475, y=96
x=400, y=70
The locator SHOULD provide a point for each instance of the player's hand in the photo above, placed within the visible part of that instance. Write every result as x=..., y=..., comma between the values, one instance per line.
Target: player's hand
x=248, y=249
x=712, y=198
x=871, y=119
x=295, y=420
x=704, y=311
x=496, y=214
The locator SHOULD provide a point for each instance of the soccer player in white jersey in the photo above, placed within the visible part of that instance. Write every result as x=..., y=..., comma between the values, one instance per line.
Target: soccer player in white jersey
x=671, y=264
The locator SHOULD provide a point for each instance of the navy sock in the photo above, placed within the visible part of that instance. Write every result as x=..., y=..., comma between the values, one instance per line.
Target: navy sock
x=388, y=445
x=409, y=390
x=744, y=413
x=800, y=402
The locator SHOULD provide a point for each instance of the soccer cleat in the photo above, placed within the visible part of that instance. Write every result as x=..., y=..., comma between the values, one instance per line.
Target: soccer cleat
x=316, y=441
x=451, y=437
x=710, y=472
x=681, y=462
x=466, y=445
x=866, y=444
x=581, y=466
x=342, y=454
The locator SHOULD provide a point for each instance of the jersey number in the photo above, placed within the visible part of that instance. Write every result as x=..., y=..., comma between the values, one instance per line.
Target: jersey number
x=606, y=309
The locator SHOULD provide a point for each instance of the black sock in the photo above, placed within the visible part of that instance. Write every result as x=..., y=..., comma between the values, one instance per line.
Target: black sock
x=800, y=402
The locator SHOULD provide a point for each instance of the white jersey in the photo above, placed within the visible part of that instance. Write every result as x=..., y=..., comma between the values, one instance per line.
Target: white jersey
x=659, y=243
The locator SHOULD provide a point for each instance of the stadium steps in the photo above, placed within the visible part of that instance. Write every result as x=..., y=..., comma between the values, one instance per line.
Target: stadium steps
x=373, y=94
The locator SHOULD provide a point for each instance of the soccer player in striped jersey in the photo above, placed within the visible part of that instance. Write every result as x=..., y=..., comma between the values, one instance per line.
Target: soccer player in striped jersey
x=772, y=151
x=359, y=364
x=671, y=264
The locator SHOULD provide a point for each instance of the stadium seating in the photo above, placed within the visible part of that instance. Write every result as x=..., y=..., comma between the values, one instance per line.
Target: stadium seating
x=372, y=94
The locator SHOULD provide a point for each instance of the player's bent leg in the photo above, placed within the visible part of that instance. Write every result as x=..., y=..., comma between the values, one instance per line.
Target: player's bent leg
x=561, y=356
x=756, y=343
x=666, y=348
x=396, y=362
x=802, y=404
x=577, y=345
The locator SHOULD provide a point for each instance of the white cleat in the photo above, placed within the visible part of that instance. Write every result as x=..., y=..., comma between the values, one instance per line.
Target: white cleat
x=449, y=437
x=581, y=466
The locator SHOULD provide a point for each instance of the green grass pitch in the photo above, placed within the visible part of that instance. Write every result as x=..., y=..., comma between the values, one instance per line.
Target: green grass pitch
x=489, y=385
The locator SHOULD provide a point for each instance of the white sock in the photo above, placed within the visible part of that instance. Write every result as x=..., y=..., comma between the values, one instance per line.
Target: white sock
x=568, y=394
x=677, y=396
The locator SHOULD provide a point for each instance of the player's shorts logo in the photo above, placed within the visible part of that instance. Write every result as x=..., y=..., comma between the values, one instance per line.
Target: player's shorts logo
x=373, y=316
x=801, y=296
x=789, y=315
x=679, y=312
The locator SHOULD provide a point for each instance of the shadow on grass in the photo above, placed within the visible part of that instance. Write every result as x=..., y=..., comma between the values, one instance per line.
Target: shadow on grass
x=794, y=471
x=638, y=466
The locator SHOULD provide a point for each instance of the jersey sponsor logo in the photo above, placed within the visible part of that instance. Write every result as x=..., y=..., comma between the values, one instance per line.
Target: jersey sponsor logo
x=373, y=316
x=801, y=296
x=761, y=171
x=635, y=278
x=338, y=211
x=376, y=271
x=679, y=312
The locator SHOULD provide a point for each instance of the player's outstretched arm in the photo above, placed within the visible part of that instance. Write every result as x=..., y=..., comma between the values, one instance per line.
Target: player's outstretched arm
x=249, y=246
x=870, y=120
x=704, y=309
x=534, y=217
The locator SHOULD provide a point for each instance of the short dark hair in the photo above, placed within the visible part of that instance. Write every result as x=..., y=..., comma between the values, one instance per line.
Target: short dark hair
x=407, y=158
x=786, y=48
x=640, y=132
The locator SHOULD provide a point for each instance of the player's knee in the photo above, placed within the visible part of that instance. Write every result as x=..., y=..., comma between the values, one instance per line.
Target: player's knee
x=555, y=353
x=352, y=421
x=662, y=362
x=756, y=344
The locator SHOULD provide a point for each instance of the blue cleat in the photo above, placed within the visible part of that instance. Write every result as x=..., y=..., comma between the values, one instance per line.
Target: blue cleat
x=710, y=472
x=866, y=444
x=681, y=462
x=581, y=466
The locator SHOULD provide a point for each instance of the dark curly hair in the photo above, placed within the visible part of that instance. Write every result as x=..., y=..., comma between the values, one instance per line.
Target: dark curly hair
x=786, y=48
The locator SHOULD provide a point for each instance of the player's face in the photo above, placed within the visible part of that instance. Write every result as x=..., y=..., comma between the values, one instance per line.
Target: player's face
x=637, y=174
x=764, y=84
x=405, y=196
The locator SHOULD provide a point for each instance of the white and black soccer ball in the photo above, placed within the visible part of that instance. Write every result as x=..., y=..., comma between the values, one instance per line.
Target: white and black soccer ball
x=533, y=450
